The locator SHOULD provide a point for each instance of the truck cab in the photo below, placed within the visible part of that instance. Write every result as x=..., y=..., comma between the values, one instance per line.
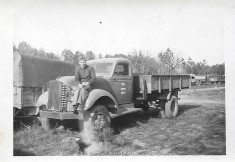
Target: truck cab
x=119, y=74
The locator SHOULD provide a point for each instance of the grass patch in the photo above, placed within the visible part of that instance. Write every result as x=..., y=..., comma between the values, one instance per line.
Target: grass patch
x=39, y=142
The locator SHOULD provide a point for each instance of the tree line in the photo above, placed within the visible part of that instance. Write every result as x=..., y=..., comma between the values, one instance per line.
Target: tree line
x=166, y=62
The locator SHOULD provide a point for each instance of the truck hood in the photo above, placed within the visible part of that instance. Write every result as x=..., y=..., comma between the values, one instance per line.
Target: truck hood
x=102, y=82
x=63, y=88
x=70, y=80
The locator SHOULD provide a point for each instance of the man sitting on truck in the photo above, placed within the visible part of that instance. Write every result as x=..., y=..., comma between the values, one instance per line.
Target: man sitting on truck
x=84, y=78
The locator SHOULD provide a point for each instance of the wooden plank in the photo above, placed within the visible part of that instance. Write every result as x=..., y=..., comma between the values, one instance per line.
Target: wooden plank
x=30, y=95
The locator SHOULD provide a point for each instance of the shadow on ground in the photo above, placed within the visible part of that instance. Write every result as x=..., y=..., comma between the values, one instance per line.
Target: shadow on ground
x=133, y=119
x=184, y=108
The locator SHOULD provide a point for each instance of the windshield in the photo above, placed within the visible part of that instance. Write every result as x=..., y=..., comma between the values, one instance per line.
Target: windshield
x=102, y=68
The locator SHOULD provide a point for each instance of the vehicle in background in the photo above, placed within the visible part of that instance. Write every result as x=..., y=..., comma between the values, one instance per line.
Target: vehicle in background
x=30, y=74
x=207, y=79
x=215, y=78
x=200, y=79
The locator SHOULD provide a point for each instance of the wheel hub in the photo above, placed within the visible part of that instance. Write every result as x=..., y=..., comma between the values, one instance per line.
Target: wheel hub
x=100, y=122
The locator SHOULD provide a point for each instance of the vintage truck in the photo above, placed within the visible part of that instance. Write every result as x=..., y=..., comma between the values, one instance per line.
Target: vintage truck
x=116, y=90
x=201, y=79
x=30, y=74
x=215, y=78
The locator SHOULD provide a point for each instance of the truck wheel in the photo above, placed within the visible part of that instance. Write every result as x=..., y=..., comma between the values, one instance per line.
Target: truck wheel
x=95, y=120
x=98, y=116
x=172, y=107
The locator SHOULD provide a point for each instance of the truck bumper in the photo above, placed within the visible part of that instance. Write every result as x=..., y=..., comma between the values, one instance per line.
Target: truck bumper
x=60, y=115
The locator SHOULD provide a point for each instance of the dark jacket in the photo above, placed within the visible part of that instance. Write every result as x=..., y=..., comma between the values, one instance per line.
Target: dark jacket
x=85, y=75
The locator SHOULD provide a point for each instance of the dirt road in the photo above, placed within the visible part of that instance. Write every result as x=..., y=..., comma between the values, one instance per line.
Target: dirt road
x=199, y=129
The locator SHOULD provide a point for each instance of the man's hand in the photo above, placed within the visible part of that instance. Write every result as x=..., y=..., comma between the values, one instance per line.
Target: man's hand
x=85, y=83
x=80, y=85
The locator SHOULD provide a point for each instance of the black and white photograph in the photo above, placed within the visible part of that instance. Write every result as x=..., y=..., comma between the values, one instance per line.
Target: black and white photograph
x=106, y=78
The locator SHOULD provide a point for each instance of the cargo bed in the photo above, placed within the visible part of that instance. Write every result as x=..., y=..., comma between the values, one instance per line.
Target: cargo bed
x=163, y=82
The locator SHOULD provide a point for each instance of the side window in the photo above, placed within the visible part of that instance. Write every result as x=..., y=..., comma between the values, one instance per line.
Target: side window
x=121, y=69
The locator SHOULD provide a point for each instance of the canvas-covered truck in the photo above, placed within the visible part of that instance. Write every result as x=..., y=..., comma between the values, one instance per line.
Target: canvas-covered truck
x=30, y=74
x=116, y=90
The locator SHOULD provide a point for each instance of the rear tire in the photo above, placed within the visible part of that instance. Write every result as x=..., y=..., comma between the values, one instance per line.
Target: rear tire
x=172, y=107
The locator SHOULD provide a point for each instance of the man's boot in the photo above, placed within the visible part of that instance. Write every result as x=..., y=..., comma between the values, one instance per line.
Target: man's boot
x=80, y=107
x=75, y=109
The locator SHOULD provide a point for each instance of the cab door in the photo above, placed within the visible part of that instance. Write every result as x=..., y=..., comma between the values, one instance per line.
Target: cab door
x=122, y=83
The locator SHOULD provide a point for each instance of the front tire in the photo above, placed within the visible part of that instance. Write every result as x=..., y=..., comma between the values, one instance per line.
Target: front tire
x=98, y=116
x=95, y=121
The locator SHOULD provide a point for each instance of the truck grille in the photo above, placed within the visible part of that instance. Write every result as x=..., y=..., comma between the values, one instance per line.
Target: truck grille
x=57, y=99
x=63, y=103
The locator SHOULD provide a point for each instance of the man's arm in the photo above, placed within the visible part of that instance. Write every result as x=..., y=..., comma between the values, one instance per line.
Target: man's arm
x=93, y=76
x=77, y=77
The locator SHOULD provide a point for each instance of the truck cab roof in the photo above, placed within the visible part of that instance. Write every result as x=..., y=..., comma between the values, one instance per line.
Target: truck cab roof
x=113, y=60
x=105, y=67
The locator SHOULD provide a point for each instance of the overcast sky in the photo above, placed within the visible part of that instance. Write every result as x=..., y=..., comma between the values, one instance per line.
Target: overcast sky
x=191, y=29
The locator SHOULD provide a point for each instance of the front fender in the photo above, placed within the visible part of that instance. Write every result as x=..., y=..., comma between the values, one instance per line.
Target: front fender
x=42, y=100
x=95, y=94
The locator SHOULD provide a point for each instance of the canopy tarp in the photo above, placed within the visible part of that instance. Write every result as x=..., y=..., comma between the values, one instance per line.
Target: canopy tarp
x=33, y=71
